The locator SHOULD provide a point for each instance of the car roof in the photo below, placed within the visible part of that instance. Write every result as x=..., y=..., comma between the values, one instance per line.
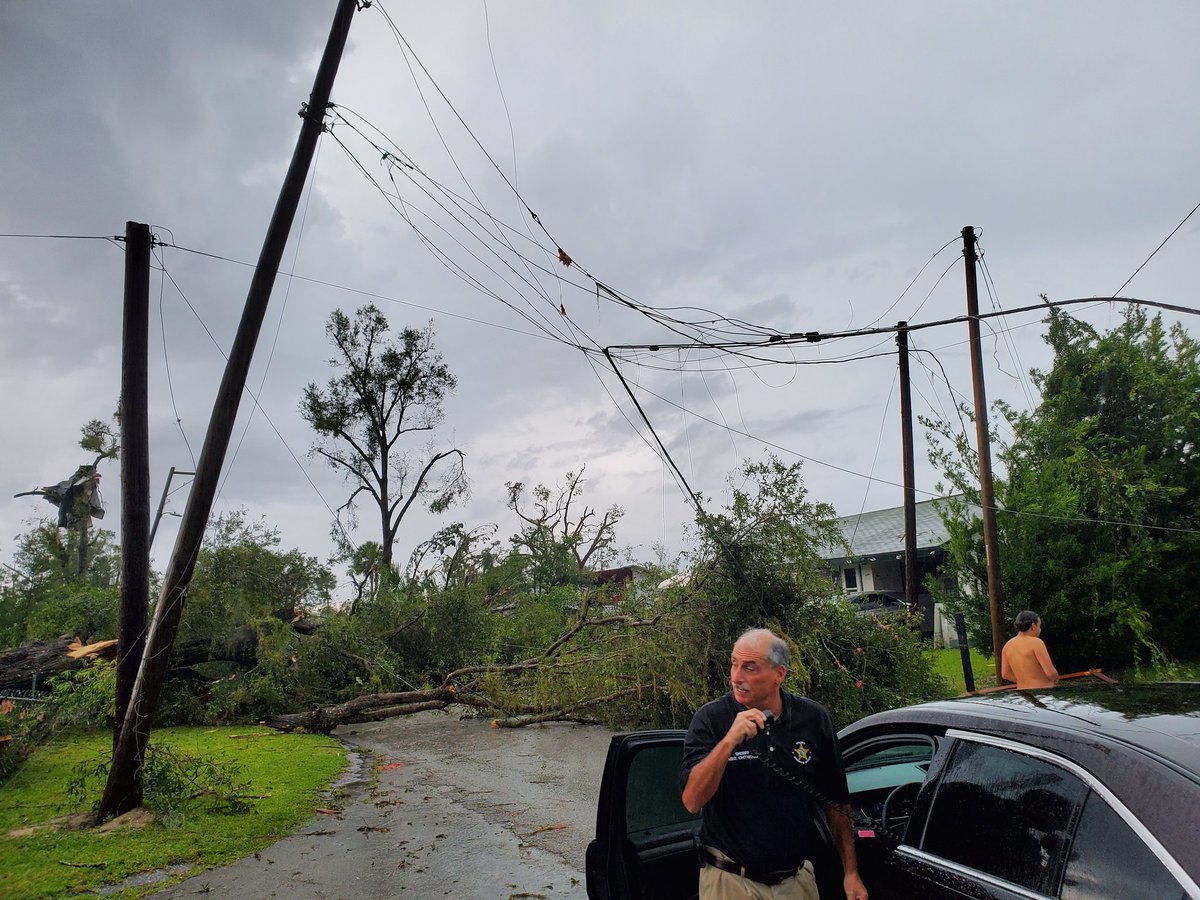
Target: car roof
x=1160, y=720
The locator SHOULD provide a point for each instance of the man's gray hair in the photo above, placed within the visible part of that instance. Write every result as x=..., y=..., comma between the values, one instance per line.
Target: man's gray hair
x=778, y=653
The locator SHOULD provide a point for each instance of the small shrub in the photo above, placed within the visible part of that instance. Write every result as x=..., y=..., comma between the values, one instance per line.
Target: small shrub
x=173, y=781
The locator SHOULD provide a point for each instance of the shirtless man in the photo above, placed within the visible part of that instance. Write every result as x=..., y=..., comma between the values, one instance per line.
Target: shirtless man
x=1025, y=658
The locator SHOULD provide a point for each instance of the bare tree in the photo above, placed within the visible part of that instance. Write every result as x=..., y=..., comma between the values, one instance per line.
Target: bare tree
x=561, y=532
x=384, y=395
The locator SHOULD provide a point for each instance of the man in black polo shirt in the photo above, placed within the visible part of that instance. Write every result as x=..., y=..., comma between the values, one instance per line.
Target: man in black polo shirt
x=755, y=823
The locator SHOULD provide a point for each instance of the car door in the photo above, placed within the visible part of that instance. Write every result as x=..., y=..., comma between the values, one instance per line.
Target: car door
x=885, y=775
x=996, y=821
x=644, y=847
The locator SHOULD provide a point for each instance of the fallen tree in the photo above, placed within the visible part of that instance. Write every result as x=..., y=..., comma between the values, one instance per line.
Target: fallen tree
x=26, y=667
x=472, y=686
x=29, y=666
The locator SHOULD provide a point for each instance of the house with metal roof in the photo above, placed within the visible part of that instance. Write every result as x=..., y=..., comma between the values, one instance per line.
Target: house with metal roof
x=870, y=557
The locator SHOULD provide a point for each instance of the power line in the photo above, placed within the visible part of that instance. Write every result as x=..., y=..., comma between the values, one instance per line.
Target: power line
x=257, y=404
x=111, y=238
x=993, y=297
x=365, y=293
x=869, y=477
x=920, y=272
x=162, y=323
x=1156, y=249
x=874, y=458
x=447, y=260
x=813, y=337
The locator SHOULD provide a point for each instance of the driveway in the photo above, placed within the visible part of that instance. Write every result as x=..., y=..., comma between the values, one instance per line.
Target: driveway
x=458, y=809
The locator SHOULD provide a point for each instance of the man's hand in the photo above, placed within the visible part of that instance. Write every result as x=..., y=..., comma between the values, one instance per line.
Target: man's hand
x=838, y=817
x=747, y=724
x=705, y=777
x=854, y=887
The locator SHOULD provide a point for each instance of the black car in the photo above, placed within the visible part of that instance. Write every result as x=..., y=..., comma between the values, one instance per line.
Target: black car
x=1089, y=791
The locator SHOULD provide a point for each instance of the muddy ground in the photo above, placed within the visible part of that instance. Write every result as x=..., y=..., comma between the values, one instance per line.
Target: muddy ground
x=458, y=809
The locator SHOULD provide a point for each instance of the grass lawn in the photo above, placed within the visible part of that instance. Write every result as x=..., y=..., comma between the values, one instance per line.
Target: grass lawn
x=284, y=772
x=948, y=664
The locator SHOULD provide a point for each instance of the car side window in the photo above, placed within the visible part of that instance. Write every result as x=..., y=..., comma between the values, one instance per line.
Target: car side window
x=652, y=803
x=887, y=766
x=1108, y=859
x=1004, y=813
x=880, y=770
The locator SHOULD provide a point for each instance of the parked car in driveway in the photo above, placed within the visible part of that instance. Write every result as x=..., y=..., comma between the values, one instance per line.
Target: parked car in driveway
x=1087, y=791
x=875, y=603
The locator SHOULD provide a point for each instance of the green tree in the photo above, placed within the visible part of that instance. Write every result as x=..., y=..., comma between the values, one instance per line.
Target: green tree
x=525, y=647
x=762, y=561
x=456, y=556
x=43, y=595
x=562, y=537
x=242, y=576
x=1100, y=503
x=761, y=566
x=250, y=605
x=385, y=395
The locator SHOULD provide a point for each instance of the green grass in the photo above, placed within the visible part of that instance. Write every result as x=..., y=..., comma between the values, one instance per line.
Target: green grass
x=1169, y=671
x=285, y=773
x=948, y=664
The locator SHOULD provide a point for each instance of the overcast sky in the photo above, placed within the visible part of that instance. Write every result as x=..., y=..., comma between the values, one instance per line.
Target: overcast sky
x=789, y=165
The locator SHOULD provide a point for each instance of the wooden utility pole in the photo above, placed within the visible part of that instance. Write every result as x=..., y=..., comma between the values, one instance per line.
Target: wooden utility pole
x=135, y=467
x=911, y=584
x=123, y=784
x=987, y=497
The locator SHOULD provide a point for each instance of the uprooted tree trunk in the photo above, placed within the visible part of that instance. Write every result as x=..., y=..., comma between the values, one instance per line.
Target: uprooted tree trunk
x=465, y=687
x=26, y=667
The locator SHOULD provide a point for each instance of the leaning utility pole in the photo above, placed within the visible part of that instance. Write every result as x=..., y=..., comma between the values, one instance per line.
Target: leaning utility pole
x=120, y=793
x=135, y=467
x=910, y=491
x=987, y=498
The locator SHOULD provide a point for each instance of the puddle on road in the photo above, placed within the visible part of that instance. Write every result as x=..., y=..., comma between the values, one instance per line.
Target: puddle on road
x=358, y=768
x=144, y=878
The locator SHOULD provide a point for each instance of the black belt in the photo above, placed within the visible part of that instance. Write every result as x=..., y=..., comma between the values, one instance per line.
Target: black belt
x=728, y=865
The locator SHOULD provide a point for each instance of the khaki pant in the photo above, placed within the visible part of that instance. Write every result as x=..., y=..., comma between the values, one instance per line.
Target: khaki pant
x=717, y=884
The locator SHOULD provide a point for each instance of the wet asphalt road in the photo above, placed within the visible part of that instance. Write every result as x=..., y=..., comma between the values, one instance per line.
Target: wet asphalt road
x=458, y=810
